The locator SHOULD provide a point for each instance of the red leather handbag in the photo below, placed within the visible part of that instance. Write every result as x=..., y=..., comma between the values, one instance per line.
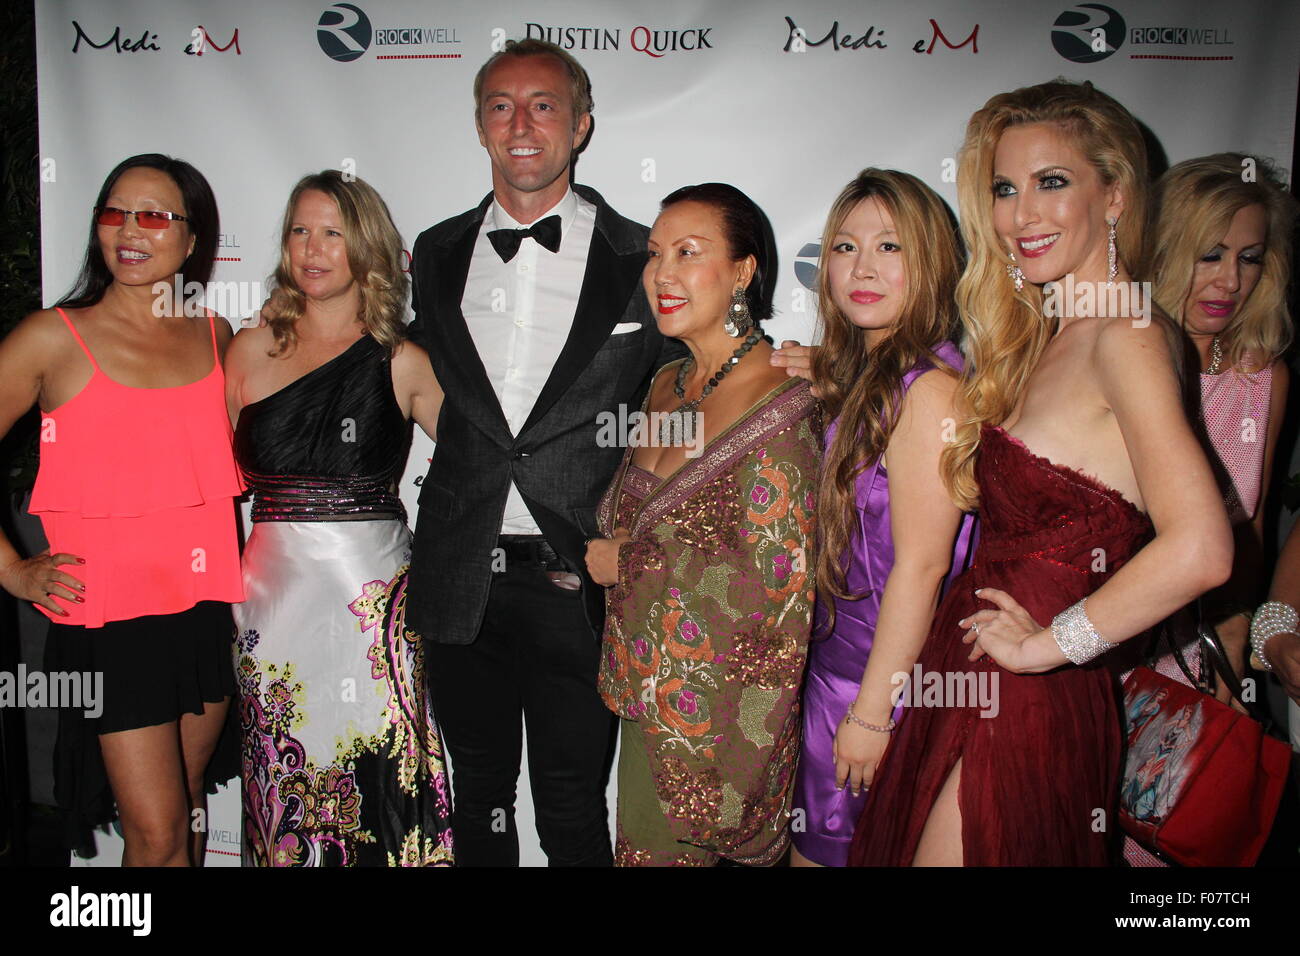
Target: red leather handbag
x=1202, y=782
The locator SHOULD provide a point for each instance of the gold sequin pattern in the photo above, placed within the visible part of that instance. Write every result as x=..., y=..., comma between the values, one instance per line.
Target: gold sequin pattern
x=762, y=657
x=693, y=797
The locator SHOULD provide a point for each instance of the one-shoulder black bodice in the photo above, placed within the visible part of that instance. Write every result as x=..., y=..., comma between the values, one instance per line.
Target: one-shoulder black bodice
x=329, y=445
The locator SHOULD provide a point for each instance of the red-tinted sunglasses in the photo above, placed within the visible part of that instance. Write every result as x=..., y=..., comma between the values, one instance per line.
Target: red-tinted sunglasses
x=144, y=218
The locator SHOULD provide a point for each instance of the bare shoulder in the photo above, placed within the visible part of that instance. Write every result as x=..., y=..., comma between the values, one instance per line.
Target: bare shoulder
x=249, y=346
x=757, y=375
x=934, y=387
x=768, y=379
x=40, y=333
x=1126, y=341
x=256, y=337
x=409, y=355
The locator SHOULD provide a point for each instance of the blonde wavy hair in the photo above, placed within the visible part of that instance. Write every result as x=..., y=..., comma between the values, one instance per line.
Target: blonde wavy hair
x=864, y=386
x=1194, y=205
x=374, y=249
x=1005, y=330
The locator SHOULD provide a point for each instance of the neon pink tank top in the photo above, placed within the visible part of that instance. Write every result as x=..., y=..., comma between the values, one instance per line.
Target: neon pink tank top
x=140, y=482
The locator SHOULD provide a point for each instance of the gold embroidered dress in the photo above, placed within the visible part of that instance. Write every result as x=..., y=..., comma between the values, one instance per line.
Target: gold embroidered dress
x=706, y=635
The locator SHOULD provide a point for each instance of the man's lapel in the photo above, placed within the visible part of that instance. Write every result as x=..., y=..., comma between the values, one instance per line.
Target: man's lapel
x=609, y=279
x=464, y=366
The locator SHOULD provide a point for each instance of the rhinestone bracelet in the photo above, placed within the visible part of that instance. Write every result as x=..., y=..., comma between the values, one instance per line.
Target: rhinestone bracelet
x=1271, y=619
x=1075, y=635
x=888, y=728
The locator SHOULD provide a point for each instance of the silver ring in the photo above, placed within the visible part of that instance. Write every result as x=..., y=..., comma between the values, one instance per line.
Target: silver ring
x=975, y=626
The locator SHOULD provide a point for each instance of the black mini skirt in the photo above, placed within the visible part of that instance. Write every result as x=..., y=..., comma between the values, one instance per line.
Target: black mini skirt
x=154, y=669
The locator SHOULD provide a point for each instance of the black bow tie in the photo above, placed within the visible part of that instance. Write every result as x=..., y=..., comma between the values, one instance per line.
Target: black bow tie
x=545, y=231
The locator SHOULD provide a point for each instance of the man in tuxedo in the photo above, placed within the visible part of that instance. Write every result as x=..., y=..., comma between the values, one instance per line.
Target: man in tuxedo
x=531, y=308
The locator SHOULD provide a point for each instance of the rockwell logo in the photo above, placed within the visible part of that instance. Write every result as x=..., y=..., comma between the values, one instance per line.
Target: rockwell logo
x=1181, y=36
x=415, y=36
x=1179, y=43
x=1087, y=33
x=344, y=33
x=642, y=39
x=1090, y=32
x=799, y=39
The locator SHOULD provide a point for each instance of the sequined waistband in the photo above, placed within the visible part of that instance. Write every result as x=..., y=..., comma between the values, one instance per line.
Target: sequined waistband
x=309, y=498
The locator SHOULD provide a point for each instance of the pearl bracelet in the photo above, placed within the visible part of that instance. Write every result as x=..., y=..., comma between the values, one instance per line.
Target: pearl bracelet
x=1271, y=619
x=851, y=717
x=1075, y=635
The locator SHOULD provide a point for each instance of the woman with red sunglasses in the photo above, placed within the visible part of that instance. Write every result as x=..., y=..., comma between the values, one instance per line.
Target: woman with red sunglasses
x=135, y=492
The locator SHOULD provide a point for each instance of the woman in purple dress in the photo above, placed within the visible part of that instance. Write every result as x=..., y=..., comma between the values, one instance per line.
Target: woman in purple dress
x=886, y=370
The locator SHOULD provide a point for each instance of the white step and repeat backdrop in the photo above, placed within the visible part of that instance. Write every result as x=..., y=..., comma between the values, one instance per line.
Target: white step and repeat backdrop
x=785, y=100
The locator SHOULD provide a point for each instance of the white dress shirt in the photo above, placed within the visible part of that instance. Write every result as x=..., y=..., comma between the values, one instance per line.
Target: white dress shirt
x=519, y=314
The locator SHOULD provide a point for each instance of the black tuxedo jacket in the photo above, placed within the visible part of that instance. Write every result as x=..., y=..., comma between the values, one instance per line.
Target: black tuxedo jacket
x=555, y=461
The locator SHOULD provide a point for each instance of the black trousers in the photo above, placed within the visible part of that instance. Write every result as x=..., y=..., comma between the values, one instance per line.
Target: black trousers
x=534, y=661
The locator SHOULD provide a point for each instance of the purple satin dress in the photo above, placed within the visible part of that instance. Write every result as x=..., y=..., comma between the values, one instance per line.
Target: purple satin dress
x=837, y=660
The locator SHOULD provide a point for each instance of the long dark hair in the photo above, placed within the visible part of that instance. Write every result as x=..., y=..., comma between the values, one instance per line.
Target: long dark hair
x=748, y=233
x=204, y=224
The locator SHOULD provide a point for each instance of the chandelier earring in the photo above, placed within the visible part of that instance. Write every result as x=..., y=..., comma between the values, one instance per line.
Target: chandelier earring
x=738, y=318
x=1112, y=255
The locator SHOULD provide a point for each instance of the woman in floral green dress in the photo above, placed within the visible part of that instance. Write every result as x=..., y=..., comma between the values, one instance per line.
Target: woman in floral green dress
x=708, y=525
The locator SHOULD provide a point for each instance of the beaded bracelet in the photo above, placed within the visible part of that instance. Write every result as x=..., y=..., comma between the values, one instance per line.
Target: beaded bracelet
x=851, y=717
x=1075, y=635
x=1272, y=618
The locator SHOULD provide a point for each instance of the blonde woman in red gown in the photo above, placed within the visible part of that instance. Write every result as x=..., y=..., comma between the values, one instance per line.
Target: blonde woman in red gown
x=1099, y=512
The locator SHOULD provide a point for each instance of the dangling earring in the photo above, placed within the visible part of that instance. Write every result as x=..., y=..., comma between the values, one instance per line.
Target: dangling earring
x=1013, y=270
x=738, y=317
x=1112, y=256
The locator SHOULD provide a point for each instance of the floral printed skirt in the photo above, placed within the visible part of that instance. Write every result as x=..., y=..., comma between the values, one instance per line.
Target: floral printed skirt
x=342, y=763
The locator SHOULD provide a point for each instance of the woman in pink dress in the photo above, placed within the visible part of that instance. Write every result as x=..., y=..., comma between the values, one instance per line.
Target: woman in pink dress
x=1221, y=264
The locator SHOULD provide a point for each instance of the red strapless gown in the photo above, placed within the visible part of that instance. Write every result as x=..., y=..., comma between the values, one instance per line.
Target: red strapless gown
x=1039, y=779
